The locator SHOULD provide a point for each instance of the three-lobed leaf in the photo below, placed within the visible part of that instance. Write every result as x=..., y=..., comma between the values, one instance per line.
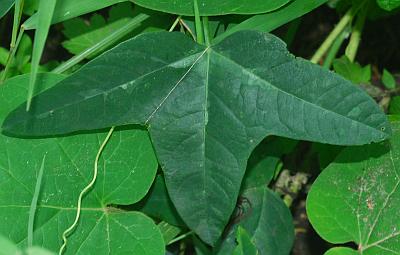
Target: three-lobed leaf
x=125, y=176
x=356, y=198
x=206, y=109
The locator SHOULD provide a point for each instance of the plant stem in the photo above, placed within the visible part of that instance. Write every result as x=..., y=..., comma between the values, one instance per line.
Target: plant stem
x=10, y=58
x=19, y=5
x=106, y=42
x=206, y=31
x=83, y=192
x=175, y=23
x=330, y=56
x=199, y=27
x=346, y=19
x=180, y=237
x=35, y=198
x=352, y=47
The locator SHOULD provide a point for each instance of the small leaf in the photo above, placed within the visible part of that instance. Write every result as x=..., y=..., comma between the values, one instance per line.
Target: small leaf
x=352, y=71
x=68, y=9
x=188, y=94
x=168, y=231
x=126, y=170
x=388, y=5
x=356, y=198
x=211, y=7
x=245, y=245
x=388, y=80
x=341, y=251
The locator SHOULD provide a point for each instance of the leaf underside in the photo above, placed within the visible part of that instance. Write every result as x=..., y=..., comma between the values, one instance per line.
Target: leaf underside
x=356, y=199
x=206, y=108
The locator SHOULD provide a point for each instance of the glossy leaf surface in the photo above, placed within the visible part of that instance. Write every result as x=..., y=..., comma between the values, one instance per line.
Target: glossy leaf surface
x=206, y=109
x=356, y=199
x=211, y=7
x=125, y=176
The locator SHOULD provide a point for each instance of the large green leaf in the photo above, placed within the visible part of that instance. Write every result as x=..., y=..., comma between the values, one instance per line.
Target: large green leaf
x=356, y=199
x=212, y=7
x=245, y=245
x=126, y=171
x=269, y=21
x=68, y=9
x=206, y=109
x=266, y=219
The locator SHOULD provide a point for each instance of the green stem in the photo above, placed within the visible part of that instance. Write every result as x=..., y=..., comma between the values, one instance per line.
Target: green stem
x=19, y=5
x=32, y=209
x=180, y=237
x=206, y=31
x=10, y=58
x=106, y=42
x=352, y=47
x=175, y=24
x=345, y=20
x=199, y=26
x=331, y=55
x=84, y=191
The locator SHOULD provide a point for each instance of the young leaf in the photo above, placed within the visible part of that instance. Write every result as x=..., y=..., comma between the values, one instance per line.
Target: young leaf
x=267, y=221
x=245, y=244
x=352, y=71
x=68, y=9
x=125, y=176
x=5, y=6
x=388, y=5
x=356, y=198
x=388, y=80
x=188, y=95
x=269, y=21
x=211, y=7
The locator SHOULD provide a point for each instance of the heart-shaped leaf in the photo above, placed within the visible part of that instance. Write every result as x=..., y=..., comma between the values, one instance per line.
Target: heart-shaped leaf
x=126, y=170
x=356, y=199
x=206, y=109
x=212, y=7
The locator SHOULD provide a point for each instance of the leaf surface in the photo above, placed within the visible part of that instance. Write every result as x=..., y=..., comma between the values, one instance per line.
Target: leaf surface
x=245, y=245
x=125, y=176
x=206, y=109
x=211, y=7
x=356, y=199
